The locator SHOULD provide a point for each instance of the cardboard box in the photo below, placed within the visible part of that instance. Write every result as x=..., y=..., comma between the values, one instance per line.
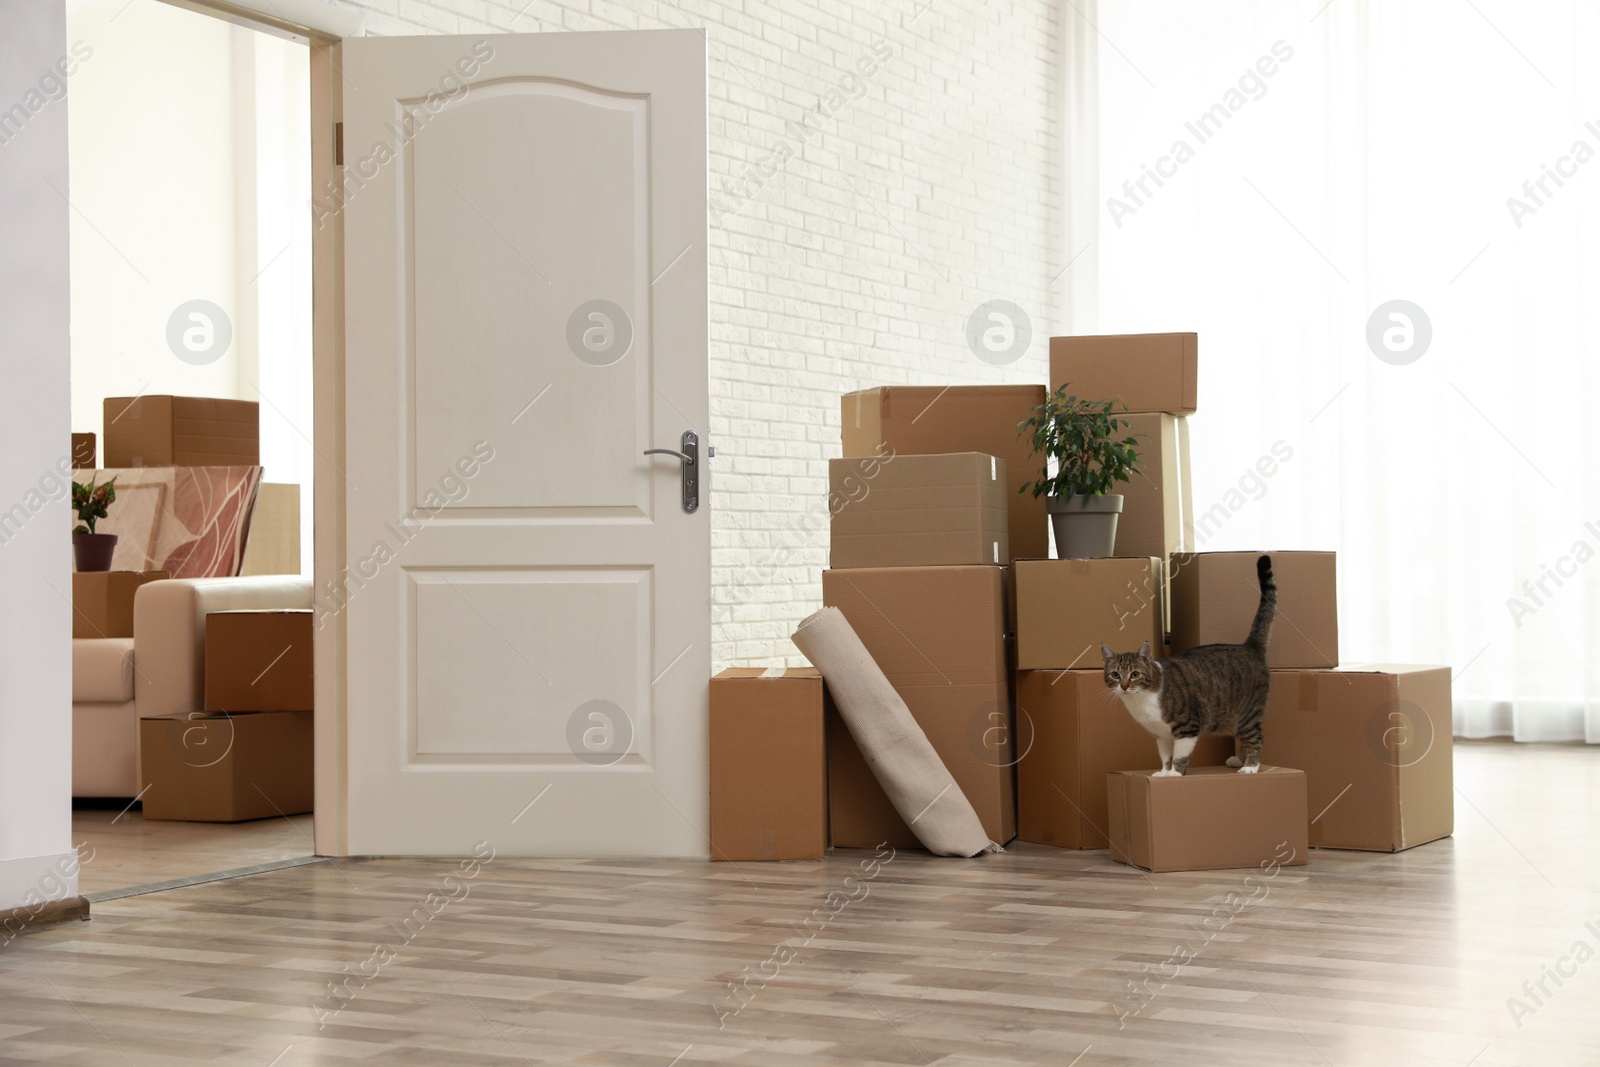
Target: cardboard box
x=181, y=431
x=1211, y=819
x=226, y=768
x=1070, y=734
x=1149, y=372
x=259, y=661
x=102, y=601
x=1158, y=503
x=918, y=511
x=84, y=452
x=1068, y=608
x=1374, y=741
x=769, y=773
x=938, y=635
x=930, y=420
x=274, y=544
x=1215, y=596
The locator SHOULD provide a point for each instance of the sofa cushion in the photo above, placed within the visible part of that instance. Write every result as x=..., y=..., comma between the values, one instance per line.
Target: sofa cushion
x=102, y=670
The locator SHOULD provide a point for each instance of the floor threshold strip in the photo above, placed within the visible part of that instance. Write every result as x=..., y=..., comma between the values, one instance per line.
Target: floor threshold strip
x=201, y=879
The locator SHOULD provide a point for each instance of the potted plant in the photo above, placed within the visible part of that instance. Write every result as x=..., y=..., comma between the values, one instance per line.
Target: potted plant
x=1084, y=439
x=92, y=550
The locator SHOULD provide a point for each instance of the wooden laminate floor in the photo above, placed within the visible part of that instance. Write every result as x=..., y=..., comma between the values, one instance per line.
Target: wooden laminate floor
x=119, y=848
x=1022, y=958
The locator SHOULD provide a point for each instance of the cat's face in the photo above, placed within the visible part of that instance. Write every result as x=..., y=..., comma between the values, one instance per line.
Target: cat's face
x=1130, y=670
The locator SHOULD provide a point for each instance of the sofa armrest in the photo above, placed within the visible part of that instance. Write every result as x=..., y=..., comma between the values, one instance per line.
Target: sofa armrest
x=169, y=632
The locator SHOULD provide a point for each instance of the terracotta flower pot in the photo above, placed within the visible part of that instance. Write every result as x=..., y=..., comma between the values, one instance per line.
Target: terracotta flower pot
x=93, y=551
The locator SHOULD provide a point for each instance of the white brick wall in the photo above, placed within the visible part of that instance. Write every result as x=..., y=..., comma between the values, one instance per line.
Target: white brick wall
x=859, y=262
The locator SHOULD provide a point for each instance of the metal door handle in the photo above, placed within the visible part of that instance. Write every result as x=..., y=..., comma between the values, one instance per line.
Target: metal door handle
x=690, y=459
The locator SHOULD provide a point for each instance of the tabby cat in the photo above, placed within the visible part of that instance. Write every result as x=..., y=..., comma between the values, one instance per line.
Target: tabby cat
x=1220, y=689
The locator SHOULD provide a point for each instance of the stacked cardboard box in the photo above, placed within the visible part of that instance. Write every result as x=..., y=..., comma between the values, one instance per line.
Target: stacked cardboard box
x=181, y=431
x=248, y=755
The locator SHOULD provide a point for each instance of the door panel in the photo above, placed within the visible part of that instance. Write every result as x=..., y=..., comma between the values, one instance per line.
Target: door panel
x=528, y=605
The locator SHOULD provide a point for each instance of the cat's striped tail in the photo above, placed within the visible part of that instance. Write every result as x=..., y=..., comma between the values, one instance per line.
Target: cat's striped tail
x=1261, y=628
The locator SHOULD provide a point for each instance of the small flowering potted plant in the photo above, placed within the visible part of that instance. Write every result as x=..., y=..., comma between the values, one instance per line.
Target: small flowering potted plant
x=91, y=550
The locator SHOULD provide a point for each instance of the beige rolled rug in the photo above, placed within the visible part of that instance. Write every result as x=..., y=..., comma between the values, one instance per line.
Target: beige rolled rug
x=899, y=753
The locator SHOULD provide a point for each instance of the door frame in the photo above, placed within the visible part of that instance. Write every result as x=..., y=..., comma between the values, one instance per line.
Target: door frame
x=323, y=29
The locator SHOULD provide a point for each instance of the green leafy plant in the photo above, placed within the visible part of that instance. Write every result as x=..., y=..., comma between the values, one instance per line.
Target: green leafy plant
x=91, y=502
x=1083, y=437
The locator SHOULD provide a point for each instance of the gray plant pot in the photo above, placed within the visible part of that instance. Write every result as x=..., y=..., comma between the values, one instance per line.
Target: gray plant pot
x=1085, y=526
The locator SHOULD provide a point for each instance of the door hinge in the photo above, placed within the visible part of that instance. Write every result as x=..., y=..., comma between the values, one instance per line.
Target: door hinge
x=338, y=144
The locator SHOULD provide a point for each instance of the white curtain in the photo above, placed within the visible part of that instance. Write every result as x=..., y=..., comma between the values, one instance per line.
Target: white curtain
x=1271, y=175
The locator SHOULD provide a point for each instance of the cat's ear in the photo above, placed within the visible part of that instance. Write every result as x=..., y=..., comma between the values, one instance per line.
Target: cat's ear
x=1144, y=650
x=1105, y=651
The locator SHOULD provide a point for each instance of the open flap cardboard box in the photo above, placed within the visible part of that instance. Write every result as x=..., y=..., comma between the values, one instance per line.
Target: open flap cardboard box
x=918, y=511
x=1068, y=608
x=259, y=661
x=1211, y=819
x=769, y=774
x=1215, y=596
x=933, y=419
x=937, y=633
x=1374, y=741
x=1147, y=371
x=102, y=601
x=226, y=768
x=1071, y=732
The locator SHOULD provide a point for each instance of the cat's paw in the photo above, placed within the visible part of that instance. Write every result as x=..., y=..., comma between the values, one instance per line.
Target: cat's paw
x=1166, y=773
x=1235, y=761
x=1250, y=769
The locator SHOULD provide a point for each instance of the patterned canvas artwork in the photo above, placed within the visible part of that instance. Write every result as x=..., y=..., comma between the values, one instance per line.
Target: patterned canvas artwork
x=191, y=522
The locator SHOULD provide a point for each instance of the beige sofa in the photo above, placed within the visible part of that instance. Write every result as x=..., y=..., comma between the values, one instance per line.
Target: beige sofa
x=160, y=670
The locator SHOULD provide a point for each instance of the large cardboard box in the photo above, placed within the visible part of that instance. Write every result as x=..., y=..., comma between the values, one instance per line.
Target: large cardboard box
x=1071, y=732
x=1158, y=503
x=1211, y=819
x=938, y=635
x=918, y=511
x=259, y=661
x=226, y=768
x=83, y=452
x=769, y=772
x=1148, y=371
x=181, y=431
x=1068, y=608
x=1215, y=596
x=928, y=420
x=102, y=601
x=1374, y=741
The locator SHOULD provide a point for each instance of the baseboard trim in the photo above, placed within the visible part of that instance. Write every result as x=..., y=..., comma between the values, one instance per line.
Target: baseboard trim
x=16, y=921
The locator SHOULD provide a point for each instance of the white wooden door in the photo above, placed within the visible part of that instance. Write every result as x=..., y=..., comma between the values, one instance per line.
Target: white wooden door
x=527, y=615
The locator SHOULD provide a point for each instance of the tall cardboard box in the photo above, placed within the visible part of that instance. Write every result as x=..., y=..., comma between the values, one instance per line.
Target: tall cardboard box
x=1215, y=596
x=274, y=545
x=769, y=773
x=1374, y=741
x=1071, y=732
x=1149, y=372
x=102, y=601
x=1068, y=608
x=1211, y=819
x=259, y=661
x=919, y=511
x=181, y=431
x=1158, y=502
x=226, y=768
x=83, y=452
x=933, y=419
x=938, y=635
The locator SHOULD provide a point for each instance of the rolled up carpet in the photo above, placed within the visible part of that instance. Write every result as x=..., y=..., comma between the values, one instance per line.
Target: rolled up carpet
x=899, y=753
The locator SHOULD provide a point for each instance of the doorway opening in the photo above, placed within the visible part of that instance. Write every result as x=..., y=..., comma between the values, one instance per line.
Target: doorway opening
x=191, y=255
